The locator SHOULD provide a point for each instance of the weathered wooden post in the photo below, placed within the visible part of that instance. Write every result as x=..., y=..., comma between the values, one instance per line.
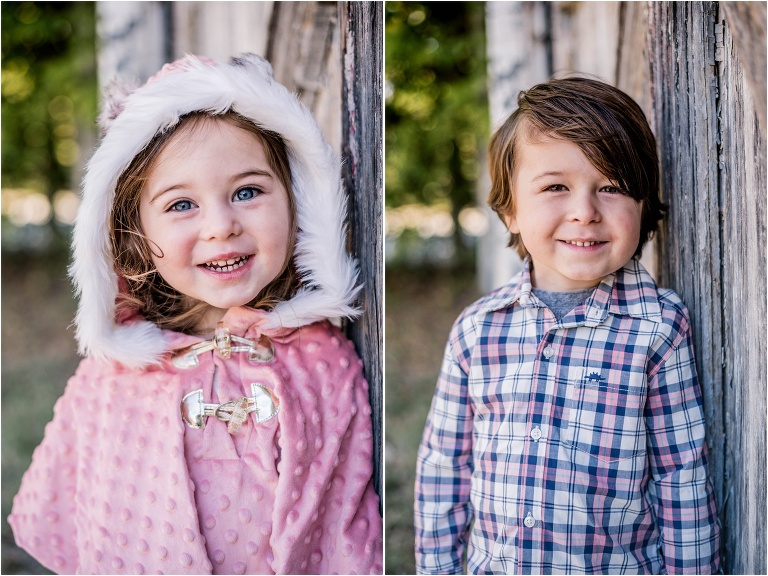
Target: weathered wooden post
x=132, y=39
x=713, y=160
x=362, y=135
x=515, y=62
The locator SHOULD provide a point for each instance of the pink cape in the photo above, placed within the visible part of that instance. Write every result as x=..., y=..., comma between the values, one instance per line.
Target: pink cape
x=121, y=485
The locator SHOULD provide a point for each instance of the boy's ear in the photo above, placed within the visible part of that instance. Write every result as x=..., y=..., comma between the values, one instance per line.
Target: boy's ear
x=511, y=222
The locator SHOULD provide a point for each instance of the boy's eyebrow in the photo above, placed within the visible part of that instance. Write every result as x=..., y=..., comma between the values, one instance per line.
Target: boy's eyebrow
x=235, y=178
x=546, y=174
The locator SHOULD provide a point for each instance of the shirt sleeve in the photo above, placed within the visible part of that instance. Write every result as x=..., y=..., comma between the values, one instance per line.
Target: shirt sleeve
x=679, y=488
x=442, y=511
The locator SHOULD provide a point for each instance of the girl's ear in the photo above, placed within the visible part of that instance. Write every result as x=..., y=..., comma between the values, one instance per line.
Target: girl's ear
x=511, y=222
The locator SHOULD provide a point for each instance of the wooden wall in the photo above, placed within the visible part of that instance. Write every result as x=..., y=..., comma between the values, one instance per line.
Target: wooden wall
x=304, y=49
x=712, y=250
x=698, y=71
x=362, y=29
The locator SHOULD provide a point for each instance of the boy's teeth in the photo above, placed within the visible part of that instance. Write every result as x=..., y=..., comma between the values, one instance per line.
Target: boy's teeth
x=582, y=243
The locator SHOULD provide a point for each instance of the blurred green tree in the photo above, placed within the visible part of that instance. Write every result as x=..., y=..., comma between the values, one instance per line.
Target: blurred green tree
x=436, y=103
x=49, y=92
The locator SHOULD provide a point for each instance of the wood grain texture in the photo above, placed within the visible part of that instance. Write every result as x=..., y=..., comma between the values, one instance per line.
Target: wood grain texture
x=305, y=52
x=747, y=29
x=712, y=250
x=362, y=31
x=683, y=81
x=742, y=166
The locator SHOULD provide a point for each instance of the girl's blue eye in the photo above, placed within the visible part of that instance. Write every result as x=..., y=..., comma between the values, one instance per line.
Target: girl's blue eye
x=181, y=206
x=247, y=193
x=555, y=188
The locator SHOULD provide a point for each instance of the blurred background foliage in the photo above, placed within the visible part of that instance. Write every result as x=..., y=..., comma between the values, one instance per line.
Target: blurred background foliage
x=49, y=95
x=49, y=104
x=436, y=128
x=436, y=115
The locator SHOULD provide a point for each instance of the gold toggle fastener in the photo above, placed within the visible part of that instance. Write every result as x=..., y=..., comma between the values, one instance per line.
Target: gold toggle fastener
x=260, y=350
x=262, y=401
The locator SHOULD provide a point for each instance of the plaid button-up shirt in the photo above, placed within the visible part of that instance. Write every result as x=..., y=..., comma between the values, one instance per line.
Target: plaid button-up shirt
x=574, y=446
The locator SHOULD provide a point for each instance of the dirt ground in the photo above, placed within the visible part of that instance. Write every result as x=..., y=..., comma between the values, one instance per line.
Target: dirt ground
x=420, y=309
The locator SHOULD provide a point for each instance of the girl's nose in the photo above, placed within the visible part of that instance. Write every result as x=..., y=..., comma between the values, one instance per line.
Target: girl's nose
x=220, y=223
x=584, y=207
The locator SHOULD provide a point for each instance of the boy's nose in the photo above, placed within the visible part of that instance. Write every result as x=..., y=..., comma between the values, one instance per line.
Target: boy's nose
x=220, y=223
x=584, y=207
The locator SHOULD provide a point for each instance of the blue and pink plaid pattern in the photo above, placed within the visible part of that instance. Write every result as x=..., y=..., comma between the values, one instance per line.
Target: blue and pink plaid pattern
x=568, y=447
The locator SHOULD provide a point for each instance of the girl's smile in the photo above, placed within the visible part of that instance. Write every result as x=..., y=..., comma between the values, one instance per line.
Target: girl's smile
x=216, y=217
x=577, y=225
x=227, y=264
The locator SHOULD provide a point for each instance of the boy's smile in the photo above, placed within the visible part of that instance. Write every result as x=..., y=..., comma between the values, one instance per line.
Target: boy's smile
x=577, y=226
x=216, y=216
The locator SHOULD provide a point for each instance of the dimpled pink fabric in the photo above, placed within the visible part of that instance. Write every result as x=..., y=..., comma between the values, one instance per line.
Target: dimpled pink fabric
x=121, y=485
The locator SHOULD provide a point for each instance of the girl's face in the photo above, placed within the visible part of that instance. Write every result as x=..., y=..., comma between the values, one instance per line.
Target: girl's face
x=577, y=226
x=216, y=216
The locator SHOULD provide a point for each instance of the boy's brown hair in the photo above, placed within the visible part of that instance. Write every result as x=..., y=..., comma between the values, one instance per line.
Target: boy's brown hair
x=604, y=122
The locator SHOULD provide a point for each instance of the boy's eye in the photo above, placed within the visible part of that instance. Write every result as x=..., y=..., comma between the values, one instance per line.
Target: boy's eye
x=180, y=206
x=246, y=193
x=612, y=190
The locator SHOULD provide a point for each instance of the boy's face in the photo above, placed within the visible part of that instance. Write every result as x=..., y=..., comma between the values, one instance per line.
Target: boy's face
x=576, y=225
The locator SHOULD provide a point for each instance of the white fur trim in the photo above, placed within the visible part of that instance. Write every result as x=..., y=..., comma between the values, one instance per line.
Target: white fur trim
x=246, y=86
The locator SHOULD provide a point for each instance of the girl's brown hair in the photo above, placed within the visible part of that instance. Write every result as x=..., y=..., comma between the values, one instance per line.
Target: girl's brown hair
x=145, y=290
x=604, y=122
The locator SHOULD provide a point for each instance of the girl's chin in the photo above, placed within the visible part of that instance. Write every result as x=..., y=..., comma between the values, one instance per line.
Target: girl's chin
x=213, y=316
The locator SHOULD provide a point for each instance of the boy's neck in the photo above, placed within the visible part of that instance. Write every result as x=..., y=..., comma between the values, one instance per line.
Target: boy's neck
x=550, y=285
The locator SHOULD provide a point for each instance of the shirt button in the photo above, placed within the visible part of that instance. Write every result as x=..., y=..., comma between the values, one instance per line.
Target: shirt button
x=548, y=351
x=536, y=433
x=529, y=521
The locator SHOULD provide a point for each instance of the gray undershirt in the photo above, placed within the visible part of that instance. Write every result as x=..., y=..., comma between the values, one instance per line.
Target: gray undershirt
x=560, y=303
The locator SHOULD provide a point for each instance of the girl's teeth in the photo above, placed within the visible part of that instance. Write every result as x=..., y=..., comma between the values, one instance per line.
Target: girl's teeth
x=226, y=265
x=582, y=243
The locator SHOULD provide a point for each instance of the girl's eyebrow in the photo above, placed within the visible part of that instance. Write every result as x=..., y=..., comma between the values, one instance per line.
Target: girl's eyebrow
x=234, y=178
x=254, y=172
x=166, y=190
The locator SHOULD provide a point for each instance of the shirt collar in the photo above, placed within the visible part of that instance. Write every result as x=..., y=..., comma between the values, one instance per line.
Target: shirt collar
x=630, y=291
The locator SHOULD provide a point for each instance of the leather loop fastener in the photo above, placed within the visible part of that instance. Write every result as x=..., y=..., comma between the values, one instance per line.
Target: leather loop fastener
x=260, y=350
x=262, y=402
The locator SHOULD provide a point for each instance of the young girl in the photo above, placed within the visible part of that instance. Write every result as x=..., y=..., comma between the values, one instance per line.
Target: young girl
x=219, y=423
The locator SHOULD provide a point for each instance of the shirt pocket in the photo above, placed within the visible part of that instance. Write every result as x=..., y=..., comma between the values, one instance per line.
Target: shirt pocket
x=605, y=413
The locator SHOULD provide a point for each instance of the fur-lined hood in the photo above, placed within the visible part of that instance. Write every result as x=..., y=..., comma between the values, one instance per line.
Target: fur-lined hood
x=131, y=118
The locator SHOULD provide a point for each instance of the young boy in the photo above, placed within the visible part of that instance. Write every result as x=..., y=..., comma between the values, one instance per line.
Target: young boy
x=567, y=427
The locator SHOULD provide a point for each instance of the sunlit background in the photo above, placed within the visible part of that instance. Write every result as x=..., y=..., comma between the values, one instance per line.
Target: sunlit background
x=48, y=109
x=436, y=129
x=436, y=125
